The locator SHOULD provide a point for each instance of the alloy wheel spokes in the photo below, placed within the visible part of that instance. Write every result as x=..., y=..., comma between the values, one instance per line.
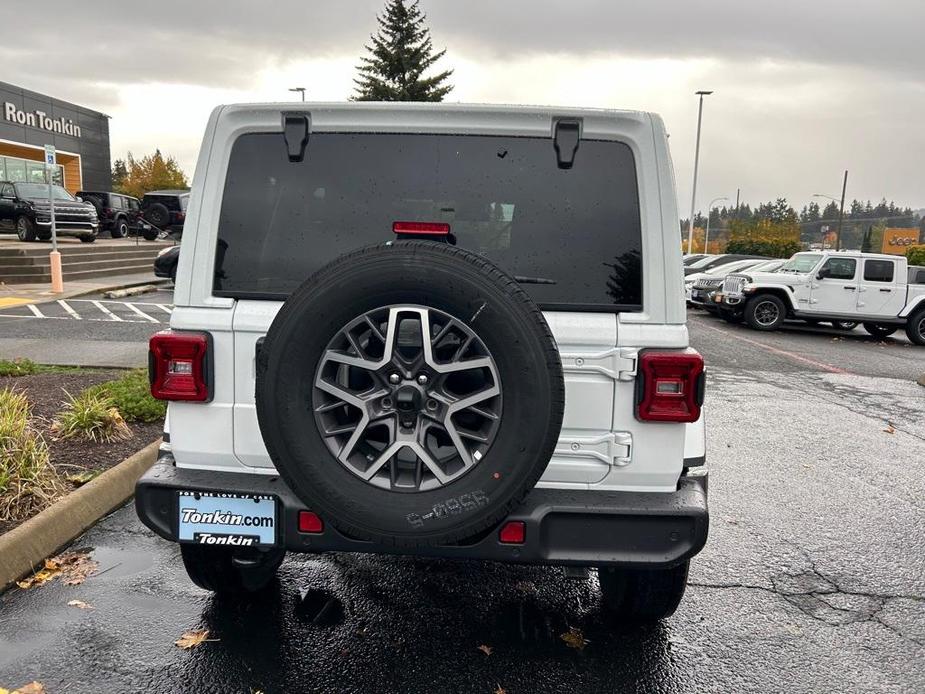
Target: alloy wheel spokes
x=408, y=398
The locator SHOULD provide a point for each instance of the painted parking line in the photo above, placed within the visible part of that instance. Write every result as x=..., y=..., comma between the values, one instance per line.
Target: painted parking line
x=71, y=312
x=105, y=310
x=92, y=310
x=141, y=313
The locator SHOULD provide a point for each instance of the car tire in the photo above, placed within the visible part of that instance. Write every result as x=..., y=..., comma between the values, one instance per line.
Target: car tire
x=844, y=325
x=915, y=327
x=150, y=234
x=25, y=229
x=87, y=238
x=641, y=595
x=158, y=215
x=880, y=330
x=417, y=496
x=120, y=228
x=765, y=312
x=230, y=571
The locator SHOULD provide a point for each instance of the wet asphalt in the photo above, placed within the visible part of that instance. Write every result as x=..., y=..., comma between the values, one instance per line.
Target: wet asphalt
x=813, y=579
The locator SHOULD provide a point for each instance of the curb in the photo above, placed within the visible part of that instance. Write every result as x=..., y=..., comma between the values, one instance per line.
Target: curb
x=25, y=547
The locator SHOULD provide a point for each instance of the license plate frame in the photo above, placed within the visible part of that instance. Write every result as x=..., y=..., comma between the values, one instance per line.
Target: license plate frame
x=227, y=518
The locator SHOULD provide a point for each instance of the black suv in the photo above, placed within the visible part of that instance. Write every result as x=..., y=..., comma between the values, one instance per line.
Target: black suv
x=165, y=210
x=119, y=214
x=25, y=209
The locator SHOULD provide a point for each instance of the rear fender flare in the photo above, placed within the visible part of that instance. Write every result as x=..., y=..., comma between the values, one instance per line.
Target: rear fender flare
x=912, y=306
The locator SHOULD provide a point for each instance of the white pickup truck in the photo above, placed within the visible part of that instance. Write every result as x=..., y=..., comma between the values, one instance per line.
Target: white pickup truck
x=880, y=291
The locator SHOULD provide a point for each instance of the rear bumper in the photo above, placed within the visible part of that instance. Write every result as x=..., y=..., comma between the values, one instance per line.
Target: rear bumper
x=573, y=527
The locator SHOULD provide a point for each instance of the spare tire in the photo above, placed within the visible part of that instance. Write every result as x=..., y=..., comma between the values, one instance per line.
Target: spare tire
x=410, y=393
x=158, y=215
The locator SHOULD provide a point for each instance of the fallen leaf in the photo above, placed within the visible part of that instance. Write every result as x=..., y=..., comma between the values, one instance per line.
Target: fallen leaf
x=890, y=429
x=78, y=479
x=191, y=639
x=574, y=638
x=72, y=567
x=499, y=690
x=31, y=688
x=80, y=604
x=485, y=649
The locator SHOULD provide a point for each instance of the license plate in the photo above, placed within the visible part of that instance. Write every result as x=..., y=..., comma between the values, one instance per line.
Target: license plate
x=221, y=518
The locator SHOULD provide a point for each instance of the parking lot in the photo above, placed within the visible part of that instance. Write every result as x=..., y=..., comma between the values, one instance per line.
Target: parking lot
x=813, y=578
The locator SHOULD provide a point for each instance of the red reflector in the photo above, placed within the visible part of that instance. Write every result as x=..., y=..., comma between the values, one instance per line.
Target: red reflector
x=177, y=366
x=421, y=228
x=670, y=386
x=310, y=522
x=513, y=533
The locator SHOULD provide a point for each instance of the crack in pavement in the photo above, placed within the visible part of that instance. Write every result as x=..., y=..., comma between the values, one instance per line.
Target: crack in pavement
x=819, y=597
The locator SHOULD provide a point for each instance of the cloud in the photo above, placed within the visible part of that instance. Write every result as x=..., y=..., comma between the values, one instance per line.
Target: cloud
x=803, y=90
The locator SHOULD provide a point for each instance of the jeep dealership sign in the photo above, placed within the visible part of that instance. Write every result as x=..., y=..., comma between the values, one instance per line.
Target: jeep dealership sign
x=40, y=120
x=897, y=240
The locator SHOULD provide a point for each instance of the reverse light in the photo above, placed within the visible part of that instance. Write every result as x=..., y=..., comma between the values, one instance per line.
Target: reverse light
x=427, y=228
x=513, y=533
x=178, y=366
x=310, y=522
x=669, y=386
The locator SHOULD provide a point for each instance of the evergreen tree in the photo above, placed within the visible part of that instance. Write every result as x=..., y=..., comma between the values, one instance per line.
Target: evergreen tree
x=119, y=174
x=400, y=54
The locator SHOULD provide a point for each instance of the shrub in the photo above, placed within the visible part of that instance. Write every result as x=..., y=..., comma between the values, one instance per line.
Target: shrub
x=916, y=255
x=18, y=367
x=131, y=394
x=28, y=482
x=774, y=248
x=92, y=416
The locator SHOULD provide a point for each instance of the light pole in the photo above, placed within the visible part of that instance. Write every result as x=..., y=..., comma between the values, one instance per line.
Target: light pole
x=841, y=209
x=690, y=227
x=301, y=90
x=706, y=236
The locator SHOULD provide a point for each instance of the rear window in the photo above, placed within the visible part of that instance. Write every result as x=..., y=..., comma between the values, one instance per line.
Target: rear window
x=571, y=236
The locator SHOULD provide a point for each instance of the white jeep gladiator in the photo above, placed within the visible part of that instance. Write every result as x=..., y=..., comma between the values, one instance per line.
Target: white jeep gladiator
x=878, y=290
x=441, y=330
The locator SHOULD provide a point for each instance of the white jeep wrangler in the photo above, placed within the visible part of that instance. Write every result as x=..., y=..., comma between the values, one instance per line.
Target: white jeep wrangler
x=878, y=290
x=440, y=330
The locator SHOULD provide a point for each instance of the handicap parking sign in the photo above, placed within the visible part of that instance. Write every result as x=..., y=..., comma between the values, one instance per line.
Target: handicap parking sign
x=50, y=157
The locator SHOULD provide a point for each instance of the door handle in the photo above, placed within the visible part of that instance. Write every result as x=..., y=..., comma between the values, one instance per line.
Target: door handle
x=850, y=289
x=886, y=290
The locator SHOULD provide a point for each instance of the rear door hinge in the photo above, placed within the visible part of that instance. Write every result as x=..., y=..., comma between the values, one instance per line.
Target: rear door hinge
x=618, y=363
x=615, y=448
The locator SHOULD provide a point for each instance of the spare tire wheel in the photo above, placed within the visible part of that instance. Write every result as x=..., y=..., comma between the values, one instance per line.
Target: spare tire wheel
x=410, y=393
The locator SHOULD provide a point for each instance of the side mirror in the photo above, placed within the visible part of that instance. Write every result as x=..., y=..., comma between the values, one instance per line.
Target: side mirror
x=823, y=273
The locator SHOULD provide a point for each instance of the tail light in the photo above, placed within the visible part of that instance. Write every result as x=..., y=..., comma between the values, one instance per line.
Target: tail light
x=669, y=386
x=181, y=216
x=179, y=366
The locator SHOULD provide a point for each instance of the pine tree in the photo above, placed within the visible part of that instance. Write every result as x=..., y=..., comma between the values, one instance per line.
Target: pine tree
x=400, y=54
x=119, y=174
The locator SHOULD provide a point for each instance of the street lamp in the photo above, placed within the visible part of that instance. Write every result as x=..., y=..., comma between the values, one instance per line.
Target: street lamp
x=690, y=228
x=301, y=90
x=706, y=236
x=841, y=209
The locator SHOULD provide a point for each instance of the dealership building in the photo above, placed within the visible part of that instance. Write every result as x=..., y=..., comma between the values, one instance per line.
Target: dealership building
x=29, y=121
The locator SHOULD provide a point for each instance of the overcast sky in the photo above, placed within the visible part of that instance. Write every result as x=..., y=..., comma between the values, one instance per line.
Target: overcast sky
x=804, y=89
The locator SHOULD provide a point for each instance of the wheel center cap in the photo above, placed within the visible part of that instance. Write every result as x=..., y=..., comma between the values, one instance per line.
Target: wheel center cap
x=408, y=400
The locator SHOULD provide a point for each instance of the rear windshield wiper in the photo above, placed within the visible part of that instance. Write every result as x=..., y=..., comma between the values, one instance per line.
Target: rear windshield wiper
x=521, y=279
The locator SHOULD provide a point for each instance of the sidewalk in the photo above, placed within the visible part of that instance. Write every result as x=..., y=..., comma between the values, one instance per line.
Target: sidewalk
x=19, y=294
